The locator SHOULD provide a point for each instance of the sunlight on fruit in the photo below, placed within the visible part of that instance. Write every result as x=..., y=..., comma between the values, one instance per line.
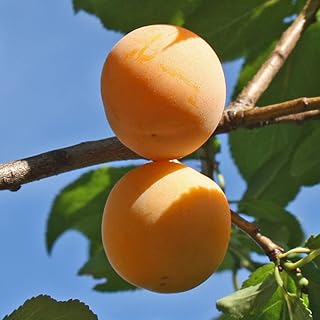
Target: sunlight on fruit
x=164, y=91
x=166, y=227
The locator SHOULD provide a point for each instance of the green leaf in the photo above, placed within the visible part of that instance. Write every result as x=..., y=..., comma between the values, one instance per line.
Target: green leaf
x=312, y=273
x=248, y=146
x=273, y=181
x=298, y=77
x=297, y=309
x=127, y=15
x=234, y=27
x=259, y=275
x=295, y=306
x=45, y=308
x=80, y=206
x=249, y=300
x=313, y=242
x=271, y=310
x=223, y=317
x=262, y=157
x=281, y=303
x=275, y=222
x=86, y=5
x=99, y=267
x=306, y=160
x=273, y=307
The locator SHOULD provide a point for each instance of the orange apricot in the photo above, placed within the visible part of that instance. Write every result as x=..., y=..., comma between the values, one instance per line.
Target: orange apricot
x=164, y=91
x=165, y=227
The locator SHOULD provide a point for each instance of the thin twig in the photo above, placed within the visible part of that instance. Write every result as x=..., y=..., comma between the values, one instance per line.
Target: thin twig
x=235, y=279
x=271, y=249
x=299, y=117
x=263, y=116
x=251, y=93
x=14, y=174
x=303, y=261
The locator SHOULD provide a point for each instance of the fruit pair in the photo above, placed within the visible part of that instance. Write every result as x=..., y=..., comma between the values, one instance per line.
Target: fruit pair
x=165, y=226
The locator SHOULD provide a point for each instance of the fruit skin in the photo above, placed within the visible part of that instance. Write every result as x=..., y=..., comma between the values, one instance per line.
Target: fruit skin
x=164, y=91
x=166, y=227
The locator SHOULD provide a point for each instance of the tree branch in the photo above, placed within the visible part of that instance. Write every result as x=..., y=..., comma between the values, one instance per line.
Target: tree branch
x=14, y=174
x=251, y=93
x=263, y=116
x=271, y=249
x=299, y=117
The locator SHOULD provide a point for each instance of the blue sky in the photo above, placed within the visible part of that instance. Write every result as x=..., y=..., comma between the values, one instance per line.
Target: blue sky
x=50, y=64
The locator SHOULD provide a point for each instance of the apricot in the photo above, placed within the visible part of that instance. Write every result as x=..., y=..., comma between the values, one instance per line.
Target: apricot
x=165, y=227
x=163, y=90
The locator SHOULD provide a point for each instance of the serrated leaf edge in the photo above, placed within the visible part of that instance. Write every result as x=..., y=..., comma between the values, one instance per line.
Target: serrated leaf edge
x=52, y=299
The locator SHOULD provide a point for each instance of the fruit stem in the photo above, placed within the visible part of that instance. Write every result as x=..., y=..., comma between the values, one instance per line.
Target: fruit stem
x=300, y=263
x=271, y=249
x=235, y=279
x=206, y=156
x=294, y=251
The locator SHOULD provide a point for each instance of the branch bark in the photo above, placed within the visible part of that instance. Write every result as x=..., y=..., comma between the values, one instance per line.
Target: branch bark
x=251, y=93
x=299, y=117
x=263, y=116
x=14, y=174
x=271, y=249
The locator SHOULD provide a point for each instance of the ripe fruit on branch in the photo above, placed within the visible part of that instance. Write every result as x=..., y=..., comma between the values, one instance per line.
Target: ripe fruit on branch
x=164, y=91
x=166, y=227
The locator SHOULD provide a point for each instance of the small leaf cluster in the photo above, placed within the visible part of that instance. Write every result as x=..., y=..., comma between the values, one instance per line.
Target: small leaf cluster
x=282, y=290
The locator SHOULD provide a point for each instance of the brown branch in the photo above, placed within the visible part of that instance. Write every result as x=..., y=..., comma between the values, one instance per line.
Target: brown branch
x=271, y=249
x=299, y=117
x=263, y=116
x=251, y=93
x=14, y=174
